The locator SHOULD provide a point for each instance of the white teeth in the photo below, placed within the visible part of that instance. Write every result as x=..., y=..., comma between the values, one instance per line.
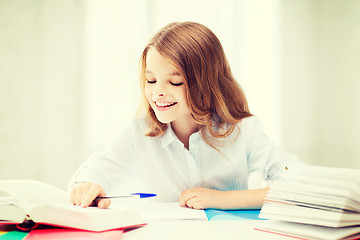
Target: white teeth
x=164, y=104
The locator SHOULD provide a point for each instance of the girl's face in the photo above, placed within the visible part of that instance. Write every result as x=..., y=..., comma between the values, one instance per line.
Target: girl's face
x=165, y=89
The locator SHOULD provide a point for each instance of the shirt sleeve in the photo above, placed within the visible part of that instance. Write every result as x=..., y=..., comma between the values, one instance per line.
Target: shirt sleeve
x=263, y=156
x=112, y=166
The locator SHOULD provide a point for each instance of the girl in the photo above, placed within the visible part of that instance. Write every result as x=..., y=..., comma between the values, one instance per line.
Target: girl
x=197, y=141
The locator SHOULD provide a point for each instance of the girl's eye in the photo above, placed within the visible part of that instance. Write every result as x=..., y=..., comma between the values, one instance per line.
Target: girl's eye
x=151, y=82
x=176, y=84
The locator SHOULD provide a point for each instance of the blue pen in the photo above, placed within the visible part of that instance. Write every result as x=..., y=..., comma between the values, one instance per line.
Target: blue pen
x=141, y=195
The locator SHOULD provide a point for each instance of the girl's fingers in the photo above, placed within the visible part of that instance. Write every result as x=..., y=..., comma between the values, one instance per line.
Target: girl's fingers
x=185, y=196
x=104, y=203
x=84, y=194
x=77, y=195
x=90, y=193
x=192, y=201
x=72, y=196
x=198, y=205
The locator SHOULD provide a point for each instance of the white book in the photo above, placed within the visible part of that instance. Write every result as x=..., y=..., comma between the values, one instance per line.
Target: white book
x=315, y=199
x=306, y=231
x=343, y=198
x=45, y=204
x=329, y=173
x=24, y=200
x=309, y=215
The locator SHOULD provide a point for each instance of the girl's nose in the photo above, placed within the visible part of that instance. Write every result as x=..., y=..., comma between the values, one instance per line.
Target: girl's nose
x=156, y=94
x=158, y=91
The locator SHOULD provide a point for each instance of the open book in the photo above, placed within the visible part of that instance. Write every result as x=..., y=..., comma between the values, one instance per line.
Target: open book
x=30, y=200
x=25, y=201
x=319, y=198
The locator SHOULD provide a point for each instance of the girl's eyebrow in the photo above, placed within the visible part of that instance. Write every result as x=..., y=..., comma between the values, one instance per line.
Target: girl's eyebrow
x=175, y=74
x=170, y=74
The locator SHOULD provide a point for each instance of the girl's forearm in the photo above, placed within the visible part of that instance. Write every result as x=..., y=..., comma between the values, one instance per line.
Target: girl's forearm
x=246, y=199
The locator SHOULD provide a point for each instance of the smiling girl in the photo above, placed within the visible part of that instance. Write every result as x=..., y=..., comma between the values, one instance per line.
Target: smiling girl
x=196, y=141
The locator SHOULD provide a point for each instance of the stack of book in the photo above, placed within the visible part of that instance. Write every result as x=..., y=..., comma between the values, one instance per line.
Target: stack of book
x=314, y=203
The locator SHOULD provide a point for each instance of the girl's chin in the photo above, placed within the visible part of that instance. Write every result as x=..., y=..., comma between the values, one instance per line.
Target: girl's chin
x=164, y=121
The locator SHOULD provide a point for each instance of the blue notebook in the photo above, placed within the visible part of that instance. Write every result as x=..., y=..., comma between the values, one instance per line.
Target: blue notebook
x=249, y=214
x=13, y=235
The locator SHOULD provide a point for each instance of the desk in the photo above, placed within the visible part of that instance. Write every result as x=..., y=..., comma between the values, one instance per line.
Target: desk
x=189, y=230
x=223, y=225
x=201, y=230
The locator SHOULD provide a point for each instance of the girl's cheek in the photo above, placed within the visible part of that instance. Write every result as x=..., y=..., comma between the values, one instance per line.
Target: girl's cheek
x=148, y=93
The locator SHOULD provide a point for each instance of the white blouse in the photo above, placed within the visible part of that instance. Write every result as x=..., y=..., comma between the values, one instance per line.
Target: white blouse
x=165, y=167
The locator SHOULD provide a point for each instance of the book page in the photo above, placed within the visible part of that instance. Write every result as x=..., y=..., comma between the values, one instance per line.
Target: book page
x=10, y=209
x=90, y=218
x=11, y=213
x=308, y=215
x=32, y=193
x=331, y=173
x=161, y=211
x=308, y=231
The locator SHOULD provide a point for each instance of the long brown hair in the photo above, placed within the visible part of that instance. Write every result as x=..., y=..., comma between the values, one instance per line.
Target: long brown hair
x=216, y=101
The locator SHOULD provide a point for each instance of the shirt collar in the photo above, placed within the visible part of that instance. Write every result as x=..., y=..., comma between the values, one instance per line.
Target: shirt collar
x=168, y=137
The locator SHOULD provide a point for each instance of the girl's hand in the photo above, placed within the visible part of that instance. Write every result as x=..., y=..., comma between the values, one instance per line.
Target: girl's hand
x=202, y=198
x=84, y=194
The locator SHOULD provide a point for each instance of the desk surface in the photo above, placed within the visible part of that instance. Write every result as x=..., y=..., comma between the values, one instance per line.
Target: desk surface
x=189, y=230
x=222, y=225
x=207, y=230
x=225, y=225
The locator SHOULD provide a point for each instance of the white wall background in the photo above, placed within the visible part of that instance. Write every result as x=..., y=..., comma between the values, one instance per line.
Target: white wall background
x=68, y=74
x=321, y=78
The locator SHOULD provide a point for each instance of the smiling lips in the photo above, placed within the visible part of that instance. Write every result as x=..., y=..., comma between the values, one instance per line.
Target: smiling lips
x=163, y=106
